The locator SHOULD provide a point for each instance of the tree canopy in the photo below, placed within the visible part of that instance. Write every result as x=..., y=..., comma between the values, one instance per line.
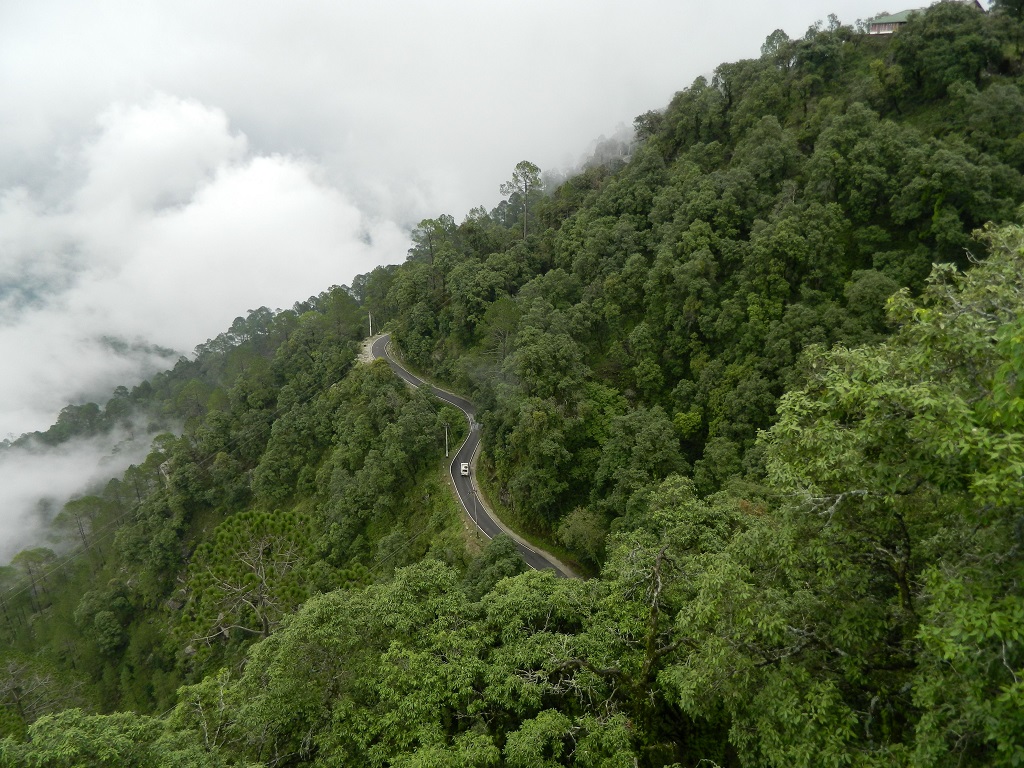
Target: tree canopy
x=758, y=375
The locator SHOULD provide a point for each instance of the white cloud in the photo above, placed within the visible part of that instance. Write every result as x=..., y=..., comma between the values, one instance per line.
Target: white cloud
x=413, y=108
x=157, y=154
x=174, y=229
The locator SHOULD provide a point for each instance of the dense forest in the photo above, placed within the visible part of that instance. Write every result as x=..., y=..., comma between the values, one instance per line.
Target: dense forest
x=759, y=374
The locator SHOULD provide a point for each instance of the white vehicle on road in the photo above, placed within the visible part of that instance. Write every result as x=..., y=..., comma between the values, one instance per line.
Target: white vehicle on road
x=464, y=469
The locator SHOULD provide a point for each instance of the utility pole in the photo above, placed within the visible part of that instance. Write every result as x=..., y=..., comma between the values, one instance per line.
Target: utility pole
x=446, y=439
x=81, y=531
x=371, y=323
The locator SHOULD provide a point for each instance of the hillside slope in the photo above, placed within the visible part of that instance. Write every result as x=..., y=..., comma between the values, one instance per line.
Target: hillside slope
x=762, y=377
x=654, y=314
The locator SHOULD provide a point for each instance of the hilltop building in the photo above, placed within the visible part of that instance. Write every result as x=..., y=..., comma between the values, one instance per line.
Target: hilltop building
x=889, y=23
x=886, y=25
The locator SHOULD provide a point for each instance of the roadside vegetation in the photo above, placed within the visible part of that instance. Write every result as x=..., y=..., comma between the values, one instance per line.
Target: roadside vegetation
x=760, y=371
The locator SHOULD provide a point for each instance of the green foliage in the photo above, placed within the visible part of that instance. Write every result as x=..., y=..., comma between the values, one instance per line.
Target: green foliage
x=583, y=531
x=771, y=209
x=381, y=443
x=73, y=738
x=520, y=190
x=499, y=560
x=244, y=579
x=181, y=563
x=416, y=673
x=949, y=43
x=801, y=495
x=907, y=457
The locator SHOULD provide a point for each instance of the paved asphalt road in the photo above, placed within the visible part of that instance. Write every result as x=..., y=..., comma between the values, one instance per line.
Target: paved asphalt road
x=465, y=486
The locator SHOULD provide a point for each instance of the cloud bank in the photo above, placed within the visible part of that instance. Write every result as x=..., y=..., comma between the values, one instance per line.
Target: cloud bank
x=37, y=481
x=168, y=228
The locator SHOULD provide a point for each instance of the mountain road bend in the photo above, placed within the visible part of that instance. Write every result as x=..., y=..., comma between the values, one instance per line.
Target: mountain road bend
x=465, y=485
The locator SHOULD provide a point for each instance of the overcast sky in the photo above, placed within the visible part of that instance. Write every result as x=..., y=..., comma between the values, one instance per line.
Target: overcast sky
x=165, y=167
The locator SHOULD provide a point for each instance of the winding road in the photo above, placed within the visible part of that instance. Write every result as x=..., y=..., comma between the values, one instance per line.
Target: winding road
x=466, y=487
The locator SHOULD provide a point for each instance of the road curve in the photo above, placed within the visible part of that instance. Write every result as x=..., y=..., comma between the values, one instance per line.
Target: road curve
x=465, y=487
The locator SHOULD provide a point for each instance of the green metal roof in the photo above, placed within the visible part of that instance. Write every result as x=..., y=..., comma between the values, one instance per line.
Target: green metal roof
x=895, y=18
